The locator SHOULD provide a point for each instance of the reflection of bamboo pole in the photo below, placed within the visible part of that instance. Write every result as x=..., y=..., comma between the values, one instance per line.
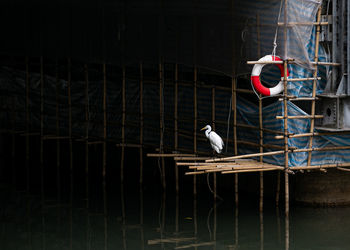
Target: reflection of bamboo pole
x=70, y=129
x=141, y=219
x=104, y=163
x=278, y=187
x=123, y=126
x=87, y=124
x=141, y=123
x=314, y=86
x=176, y=124
x=58, y=144
x=42, y=128
x=27, y=124
x=123, y=214
x=261, y=231
x=13, y=143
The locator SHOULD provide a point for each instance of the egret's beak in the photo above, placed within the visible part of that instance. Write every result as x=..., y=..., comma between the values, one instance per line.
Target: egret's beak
x=203, y=128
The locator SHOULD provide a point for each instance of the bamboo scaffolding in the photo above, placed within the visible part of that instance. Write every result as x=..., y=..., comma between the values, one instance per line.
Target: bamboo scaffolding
x=123, y=125
x=315, y=134
x=198, y=158
x=87, y=124
x=290, y=61
x=313, y=103
x=303, y=79
x=170, y=155
x=141, y=123
x=317, y=23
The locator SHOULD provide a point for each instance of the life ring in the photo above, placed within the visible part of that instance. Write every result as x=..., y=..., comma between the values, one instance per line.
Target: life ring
x=255, y=77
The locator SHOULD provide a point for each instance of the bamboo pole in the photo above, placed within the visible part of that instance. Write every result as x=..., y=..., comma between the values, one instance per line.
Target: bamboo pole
x=161, y=119
x=234, y=107
x=279, y=117
x=195, y=75
x=261, y=133
x=141, y=123
x=142, y=219
x=213, y=116
x=170, y=155
x=58, y=143
x=42, y=129
x=176, y=139
x=27, y=86
x=123, y=125
x=249, y=170
x=278, y=187
x=285, y=110
x=314, y=86
x=70, y=128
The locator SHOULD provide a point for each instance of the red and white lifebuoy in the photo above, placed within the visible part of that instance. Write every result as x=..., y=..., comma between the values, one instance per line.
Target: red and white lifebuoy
x=255, y=77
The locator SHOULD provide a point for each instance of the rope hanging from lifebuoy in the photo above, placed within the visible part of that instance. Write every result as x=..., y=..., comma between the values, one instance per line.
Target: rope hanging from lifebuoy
x=255, y=77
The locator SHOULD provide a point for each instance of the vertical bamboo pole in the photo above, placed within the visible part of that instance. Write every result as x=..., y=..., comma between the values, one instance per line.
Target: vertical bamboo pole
x=261, y=133
x=195, y=78
x=104, y=163
x=278, y=187
x=141, y=123
x=123, y=215
x=285, y=107
x=176, y=139
x=70, y=128
x=314, y=86
x=213, y=118
x=42, y=129
x=161, y=119
x=123, y=126
x=87, y=125
x=27, y=124
x=234, y=107
x=58, y=145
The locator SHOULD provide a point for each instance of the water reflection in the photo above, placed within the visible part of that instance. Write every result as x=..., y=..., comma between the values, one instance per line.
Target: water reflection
x=151, y=219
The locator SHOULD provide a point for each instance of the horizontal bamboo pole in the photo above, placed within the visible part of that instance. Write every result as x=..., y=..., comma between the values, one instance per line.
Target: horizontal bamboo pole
x=170, y=155
x=196, y=245
x=250, y=170
x=292, y=62
x=321, y=166
x=300, y=117
x=245, y=156
x=302, y=79
x=128, y=145
x=51, y=137
x=199, y=158
x=313, y=134
x=302, y=23
x=195, y=173
x=293, y=98
x=344, y=169
x=169, y=240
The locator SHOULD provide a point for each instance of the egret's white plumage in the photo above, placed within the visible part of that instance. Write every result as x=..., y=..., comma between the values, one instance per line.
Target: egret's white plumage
x=215, y=140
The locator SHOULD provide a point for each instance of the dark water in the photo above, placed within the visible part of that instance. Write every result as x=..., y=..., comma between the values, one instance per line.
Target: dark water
x=150, y=219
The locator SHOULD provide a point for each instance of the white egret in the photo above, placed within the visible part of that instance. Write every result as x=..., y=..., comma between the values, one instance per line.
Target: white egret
x=215, y=140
